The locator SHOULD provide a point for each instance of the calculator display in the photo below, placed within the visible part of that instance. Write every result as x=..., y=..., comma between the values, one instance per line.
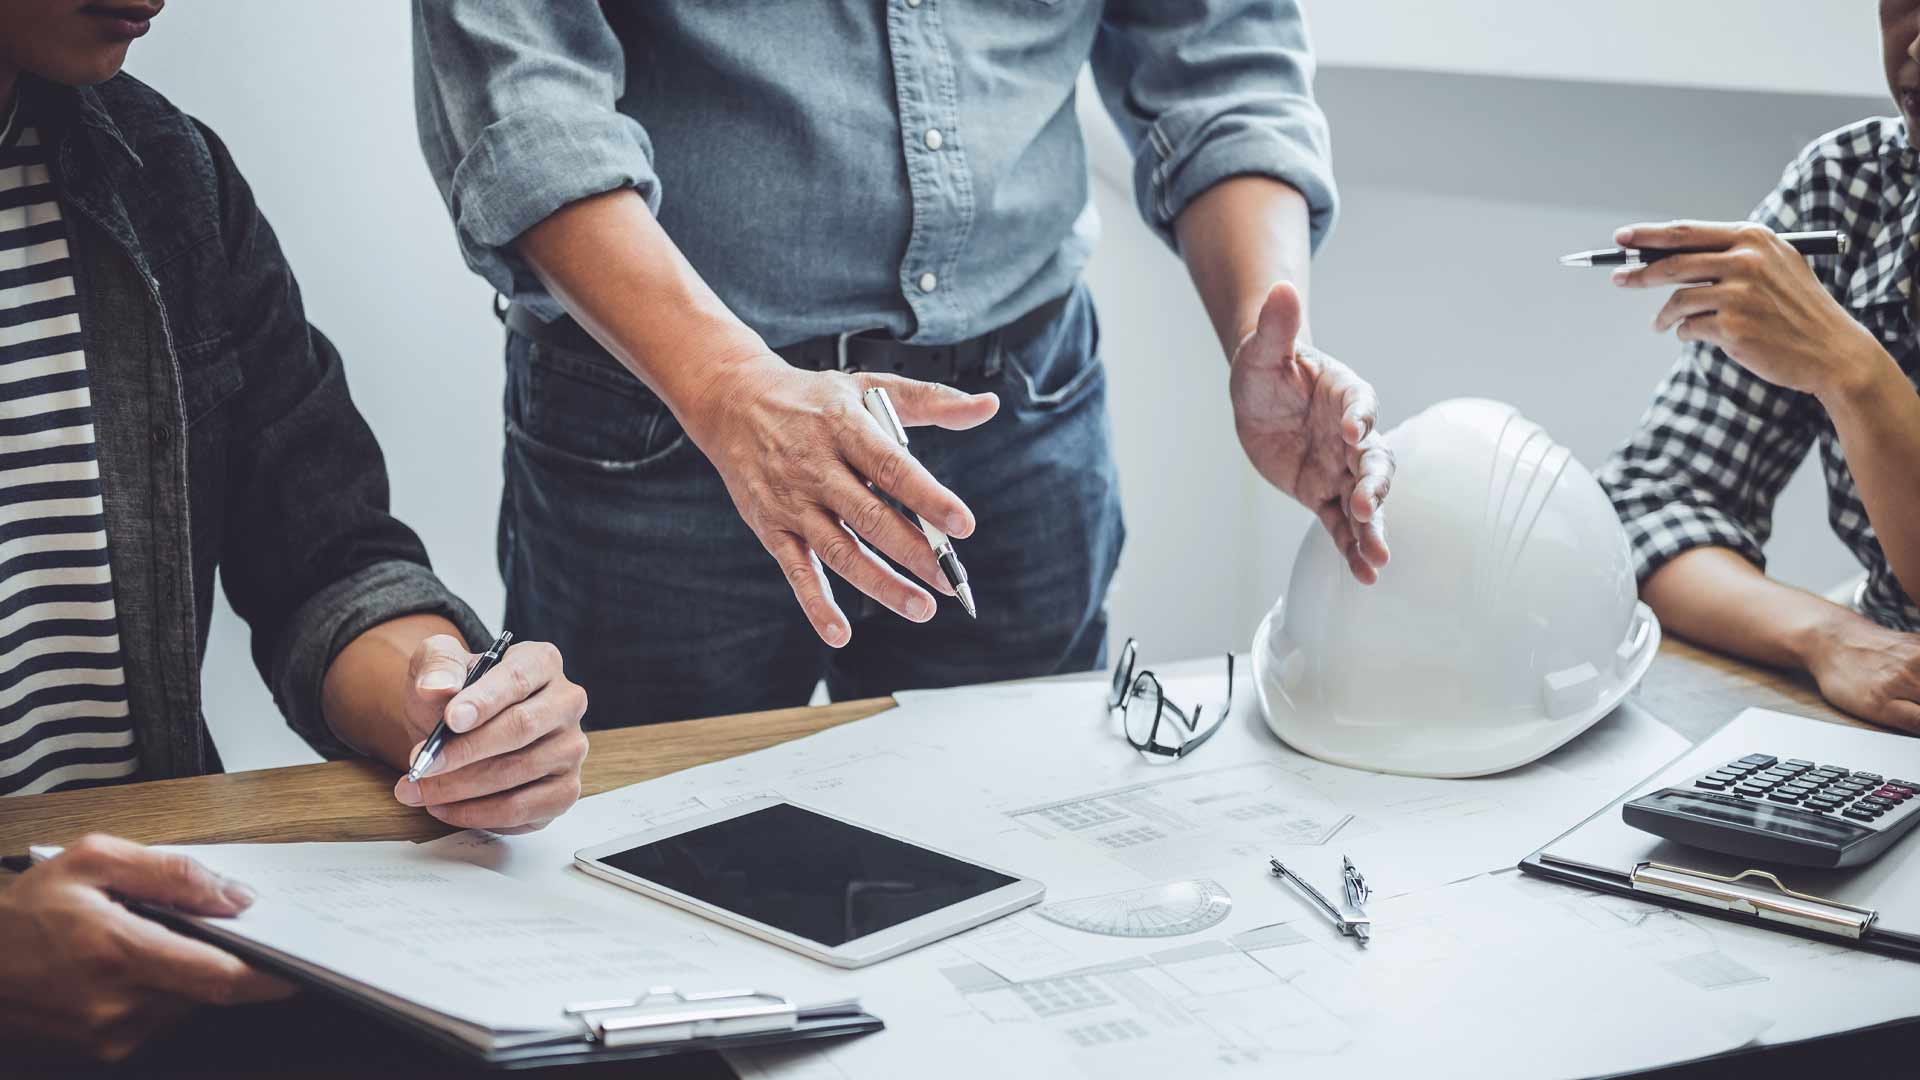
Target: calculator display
x=1783, y=822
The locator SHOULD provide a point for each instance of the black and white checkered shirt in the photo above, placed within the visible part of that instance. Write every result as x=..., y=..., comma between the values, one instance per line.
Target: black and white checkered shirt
x=1717, y=445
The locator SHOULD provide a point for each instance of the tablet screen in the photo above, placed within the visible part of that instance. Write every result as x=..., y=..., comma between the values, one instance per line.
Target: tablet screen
x=809, y=875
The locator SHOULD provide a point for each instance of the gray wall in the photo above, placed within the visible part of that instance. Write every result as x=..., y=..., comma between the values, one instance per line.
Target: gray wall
x=1440, y=281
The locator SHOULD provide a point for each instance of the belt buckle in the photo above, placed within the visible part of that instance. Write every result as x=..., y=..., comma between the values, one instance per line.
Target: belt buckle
x=840, y=347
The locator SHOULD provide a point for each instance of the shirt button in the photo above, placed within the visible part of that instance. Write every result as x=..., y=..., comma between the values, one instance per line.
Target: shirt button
x=928, y=282
x=913, y=3
x=934, y=139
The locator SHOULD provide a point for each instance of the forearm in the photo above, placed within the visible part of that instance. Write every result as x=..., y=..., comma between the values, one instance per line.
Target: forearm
x=364, y=695
x=1877, y=417
x=622, y=277
x=1238, y=238
x=1714, y=596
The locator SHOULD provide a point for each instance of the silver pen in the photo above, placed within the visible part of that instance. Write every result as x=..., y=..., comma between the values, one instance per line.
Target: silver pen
x=1351, y=919
x=880, y=407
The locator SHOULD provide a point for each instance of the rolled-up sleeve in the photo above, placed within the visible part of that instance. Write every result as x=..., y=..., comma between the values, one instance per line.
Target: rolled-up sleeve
x=516, y=106
x=1209, y=90
x=329, y=620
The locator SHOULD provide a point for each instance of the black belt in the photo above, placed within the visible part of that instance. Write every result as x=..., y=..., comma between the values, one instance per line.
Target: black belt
x=859, y=351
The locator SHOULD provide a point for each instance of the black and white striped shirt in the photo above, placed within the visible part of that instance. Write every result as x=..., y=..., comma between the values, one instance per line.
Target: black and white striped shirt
x=63, y=695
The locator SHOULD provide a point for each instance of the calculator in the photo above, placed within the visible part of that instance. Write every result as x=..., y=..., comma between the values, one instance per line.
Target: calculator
x=1788, y=811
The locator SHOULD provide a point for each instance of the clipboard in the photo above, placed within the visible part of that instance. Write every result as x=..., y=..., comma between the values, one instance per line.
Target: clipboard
x=1875, y=907
x=655, y=1022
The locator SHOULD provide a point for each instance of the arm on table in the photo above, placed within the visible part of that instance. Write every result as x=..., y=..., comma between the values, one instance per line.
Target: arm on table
x=1716, y=597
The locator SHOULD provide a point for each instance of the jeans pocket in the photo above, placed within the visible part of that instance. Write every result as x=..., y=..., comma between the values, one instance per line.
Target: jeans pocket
x=1056, y=368
x=585, y=412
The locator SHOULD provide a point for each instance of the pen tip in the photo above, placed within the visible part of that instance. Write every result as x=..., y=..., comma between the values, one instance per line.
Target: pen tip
x=1572, y=260
x=965, y=593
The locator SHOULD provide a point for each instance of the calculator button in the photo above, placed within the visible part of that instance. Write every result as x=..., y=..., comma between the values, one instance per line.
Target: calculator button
x=1891, y=794
x=1723, y=774
x=1819, y=808
x=1875, y=778
x=1830, y=771
x=1758, y=761
x=1875, y=805
x=1905, y=784
x=1797, y=789
x=1710, y=784
x=1750, y=789
x=1784, y=796
x=1801, y=762
x=1858, y=814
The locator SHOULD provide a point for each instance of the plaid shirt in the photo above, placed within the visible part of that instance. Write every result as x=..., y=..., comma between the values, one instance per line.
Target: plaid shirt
x=1717, y=445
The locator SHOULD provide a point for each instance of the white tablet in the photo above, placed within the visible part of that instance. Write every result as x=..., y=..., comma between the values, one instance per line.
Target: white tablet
x=809, y=881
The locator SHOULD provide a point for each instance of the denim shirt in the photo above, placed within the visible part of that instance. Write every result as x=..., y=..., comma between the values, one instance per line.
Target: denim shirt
x=226, y=438
x=914, y=166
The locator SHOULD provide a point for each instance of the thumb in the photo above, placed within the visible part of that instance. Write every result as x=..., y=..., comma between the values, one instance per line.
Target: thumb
x=440, y=665
x=162, y=877
x=922, y=404
x=1281, y=317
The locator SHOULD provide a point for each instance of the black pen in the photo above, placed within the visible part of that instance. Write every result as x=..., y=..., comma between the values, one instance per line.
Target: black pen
x=1806, y=243
x=482, y=664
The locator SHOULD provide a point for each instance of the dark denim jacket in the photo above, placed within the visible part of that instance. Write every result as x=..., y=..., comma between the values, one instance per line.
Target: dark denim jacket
x=226, y=436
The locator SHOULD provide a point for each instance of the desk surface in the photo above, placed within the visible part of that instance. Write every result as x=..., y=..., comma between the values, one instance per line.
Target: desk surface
x=1693, y=690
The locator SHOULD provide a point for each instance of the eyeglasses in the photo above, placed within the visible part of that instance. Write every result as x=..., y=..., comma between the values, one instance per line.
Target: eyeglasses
x=1153, y=725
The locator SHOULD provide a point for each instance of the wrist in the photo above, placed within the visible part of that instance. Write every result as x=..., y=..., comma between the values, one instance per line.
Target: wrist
x=1863, y=373
x=1813, y=642
x=712, y=383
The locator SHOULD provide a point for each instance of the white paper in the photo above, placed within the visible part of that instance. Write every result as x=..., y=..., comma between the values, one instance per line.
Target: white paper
x=470, y=944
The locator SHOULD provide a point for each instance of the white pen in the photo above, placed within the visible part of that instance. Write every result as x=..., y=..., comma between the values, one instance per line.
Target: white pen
x=880, y=406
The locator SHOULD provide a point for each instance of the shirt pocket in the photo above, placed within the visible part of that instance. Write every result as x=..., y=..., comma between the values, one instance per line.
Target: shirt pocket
x=209, y=377
x=577, y=411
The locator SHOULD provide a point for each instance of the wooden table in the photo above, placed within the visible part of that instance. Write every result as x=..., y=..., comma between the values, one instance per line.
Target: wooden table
x=1693, y=690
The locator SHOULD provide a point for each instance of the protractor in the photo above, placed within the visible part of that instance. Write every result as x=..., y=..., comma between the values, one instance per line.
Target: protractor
x=1165, y=910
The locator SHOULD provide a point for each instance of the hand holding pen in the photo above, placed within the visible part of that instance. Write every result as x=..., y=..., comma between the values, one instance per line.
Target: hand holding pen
x=1752, y=294
x=505, y=745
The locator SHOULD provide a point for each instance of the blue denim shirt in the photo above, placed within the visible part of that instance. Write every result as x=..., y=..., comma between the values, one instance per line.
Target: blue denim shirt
x=913, y=165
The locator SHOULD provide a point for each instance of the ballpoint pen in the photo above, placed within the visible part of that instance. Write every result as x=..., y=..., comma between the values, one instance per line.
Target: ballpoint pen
x=880, y=406
x=1807, y=243
x=1352, y=919
x=482, y=664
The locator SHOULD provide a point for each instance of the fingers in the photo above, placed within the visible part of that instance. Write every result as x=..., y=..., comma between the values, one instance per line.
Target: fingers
x=930, y=404
x=522, y=671
x=879, y=524
x=1705, y=328
x=802, y=569
x=1693, y=300
x=535, y=738
x=1683, y=234
x=1335, y=521
x=163, y=877
x=1691, y=269
x=843, y=553
x=439, y=664
x=1901, y=715
x=159, y=959
x=526, y=807
x=889, y=467
x=1359, y=408
x=1375, y=471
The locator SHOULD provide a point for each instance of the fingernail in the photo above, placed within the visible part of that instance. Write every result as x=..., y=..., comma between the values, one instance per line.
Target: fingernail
x=462, y=716
x=439, y=679
x=1623, y=236
x=920, y=609
x=407, y=791
x=956, y=525
x=836, y=635
x=239, y=895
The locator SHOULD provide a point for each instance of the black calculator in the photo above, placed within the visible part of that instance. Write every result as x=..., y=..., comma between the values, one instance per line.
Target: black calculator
x=1795, y=812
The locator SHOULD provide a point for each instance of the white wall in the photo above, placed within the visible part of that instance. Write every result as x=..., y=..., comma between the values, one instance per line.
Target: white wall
x=1460, y=189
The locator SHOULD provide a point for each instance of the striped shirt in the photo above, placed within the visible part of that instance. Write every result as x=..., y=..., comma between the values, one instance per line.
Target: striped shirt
x=63, y=694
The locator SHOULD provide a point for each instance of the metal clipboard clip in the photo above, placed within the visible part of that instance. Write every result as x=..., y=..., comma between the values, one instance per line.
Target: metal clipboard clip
x=665, y=1015
x=1771, y=900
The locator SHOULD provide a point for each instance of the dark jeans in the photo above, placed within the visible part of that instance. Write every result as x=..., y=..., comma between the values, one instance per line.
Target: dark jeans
x=619, y=543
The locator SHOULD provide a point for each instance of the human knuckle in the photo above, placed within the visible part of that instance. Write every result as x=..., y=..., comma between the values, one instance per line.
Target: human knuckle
x=799, y=574
x=869, y=517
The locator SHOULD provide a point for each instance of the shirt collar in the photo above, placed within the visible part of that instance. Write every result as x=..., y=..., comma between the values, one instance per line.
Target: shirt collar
x=1885, y=273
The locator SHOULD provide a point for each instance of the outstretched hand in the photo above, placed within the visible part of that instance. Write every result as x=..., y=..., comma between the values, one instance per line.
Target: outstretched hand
x=1306, y=421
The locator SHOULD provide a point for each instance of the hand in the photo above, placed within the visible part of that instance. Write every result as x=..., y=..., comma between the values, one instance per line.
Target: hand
x=797, y=450
x=82, y=975
x=1306, y=422
x=1755, y=298
x=1868, y=670
x=514, y=763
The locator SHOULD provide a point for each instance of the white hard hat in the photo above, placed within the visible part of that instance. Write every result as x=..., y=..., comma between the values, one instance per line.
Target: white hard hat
x=1506, y=624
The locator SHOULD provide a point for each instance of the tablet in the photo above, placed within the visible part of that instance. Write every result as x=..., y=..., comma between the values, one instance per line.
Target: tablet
x=811, y=882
